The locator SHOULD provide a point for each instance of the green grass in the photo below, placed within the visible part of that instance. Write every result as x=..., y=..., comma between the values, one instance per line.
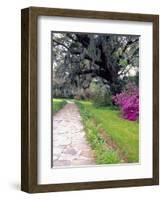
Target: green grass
x=123, y=132
x=58, y=104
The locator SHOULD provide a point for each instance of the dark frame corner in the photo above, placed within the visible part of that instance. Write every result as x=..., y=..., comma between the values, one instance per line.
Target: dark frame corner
x=29, y=99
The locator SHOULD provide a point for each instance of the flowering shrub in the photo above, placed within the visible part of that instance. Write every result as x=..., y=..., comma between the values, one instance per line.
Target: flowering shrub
x=128, y=101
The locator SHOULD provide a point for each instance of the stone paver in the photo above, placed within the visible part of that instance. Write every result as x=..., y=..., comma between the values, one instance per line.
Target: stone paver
x=70, y=147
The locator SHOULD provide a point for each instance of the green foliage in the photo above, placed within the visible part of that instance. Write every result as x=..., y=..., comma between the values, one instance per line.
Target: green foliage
x=117, y=86
x=58, y=104
x=120, y=84
x=123, y=62
x=101, y=94
x=134, y=79
x=102, y=153
x=123, y=132
x=80, y=57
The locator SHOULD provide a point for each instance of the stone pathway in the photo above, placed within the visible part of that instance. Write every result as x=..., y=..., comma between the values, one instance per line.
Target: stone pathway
x=70, y=147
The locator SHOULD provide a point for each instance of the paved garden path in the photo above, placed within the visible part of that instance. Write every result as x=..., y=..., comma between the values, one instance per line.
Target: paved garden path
x=70, y=147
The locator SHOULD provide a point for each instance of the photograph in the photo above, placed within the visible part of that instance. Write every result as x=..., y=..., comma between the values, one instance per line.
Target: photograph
x=89, y=99
x=95, y=99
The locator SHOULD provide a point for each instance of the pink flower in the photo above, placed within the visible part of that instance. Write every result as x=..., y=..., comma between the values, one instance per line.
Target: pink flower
x=128, y=101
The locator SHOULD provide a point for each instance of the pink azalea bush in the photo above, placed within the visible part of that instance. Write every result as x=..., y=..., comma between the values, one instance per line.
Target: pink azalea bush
x=128, y=101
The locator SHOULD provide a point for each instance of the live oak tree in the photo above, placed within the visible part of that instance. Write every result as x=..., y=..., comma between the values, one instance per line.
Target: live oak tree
x=80, y=58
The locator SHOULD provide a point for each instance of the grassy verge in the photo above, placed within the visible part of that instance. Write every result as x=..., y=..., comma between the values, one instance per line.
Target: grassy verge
x=102, y=153
x=123, y=132
x=58, y=104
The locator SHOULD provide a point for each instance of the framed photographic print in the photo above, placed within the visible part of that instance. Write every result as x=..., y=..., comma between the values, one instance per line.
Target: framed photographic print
x=90, y=99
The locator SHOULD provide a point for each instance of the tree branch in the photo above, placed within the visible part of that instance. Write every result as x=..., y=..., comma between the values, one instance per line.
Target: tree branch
x=70, y=36
x=59, y=43
x=129, y=43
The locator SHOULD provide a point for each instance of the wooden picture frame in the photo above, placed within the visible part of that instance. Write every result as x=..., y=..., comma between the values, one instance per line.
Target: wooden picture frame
x=29, y=87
